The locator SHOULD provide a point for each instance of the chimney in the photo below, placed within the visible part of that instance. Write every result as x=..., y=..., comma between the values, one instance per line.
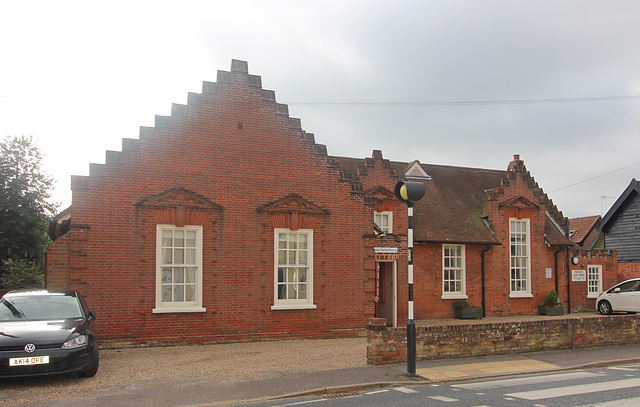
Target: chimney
x=517, y=164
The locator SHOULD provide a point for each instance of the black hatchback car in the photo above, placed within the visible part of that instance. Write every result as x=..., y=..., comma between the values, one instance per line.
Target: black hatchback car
x=45, y=332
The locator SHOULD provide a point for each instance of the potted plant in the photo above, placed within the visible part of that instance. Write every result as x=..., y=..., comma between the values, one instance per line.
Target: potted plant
x=464, y=311
x=551, y=305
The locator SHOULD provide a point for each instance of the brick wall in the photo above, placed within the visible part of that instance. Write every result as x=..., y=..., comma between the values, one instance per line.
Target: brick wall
x=233, y=151
x=608, y=259
x=519, y=197
x=388, y=345
x=57, y=263
x=628, y=270
x=428, y=281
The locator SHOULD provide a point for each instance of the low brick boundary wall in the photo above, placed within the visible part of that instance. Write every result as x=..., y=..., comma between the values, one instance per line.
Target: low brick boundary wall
x=389, y=345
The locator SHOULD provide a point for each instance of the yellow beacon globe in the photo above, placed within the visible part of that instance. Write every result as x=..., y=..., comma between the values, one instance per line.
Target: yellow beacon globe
x=403, y=193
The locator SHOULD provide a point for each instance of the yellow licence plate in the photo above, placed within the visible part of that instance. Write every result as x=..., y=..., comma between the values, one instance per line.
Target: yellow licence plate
x=33, y=360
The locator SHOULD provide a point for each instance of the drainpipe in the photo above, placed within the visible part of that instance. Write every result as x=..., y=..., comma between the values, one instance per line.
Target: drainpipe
x=555, y=258
x=484, y=312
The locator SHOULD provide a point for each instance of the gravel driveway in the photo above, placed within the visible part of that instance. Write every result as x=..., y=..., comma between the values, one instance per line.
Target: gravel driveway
x=122, y=370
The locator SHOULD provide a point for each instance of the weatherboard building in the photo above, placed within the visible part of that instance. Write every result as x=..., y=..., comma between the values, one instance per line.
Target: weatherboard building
x=226, y=221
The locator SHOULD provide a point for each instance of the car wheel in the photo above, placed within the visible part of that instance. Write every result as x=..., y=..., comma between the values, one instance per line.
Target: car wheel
x=605, y=308
x=94, y=362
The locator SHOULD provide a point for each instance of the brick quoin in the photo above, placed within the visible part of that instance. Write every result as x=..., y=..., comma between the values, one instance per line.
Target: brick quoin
x=225, y=161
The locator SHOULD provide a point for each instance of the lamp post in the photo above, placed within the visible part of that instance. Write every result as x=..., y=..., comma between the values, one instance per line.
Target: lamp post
x=409, y=193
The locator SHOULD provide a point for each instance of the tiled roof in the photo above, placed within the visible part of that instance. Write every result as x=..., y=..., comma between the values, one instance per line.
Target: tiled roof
x=554, y=236
x=453, y=207
x=582, y=227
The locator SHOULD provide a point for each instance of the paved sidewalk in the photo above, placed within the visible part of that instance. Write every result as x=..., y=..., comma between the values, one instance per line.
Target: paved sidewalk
x=534, y=362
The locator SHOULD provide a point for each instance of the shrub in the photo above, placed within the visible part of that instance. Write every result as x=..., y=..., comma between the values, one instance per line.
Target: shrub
x=552, y=299
x=21, y=274
x=461, y=304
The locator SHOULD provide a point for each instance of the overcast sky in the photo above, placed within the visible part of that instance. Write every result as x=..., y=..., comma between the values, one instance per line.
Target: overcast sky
x=463, y=83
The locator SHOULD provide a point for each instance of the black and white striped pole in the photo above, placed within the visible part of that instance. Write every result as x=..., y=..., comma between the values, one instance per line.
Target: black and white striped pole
x=409, y=193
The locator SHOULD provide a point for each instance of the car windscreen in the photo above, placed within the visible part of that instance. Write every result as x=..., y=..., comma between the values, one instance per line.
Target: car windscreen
x=39, y=307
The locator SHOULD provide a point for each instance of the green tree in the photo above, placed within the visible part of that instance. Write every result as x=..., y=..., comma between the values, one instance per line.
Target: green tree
x=22, y=274
x=25, y=208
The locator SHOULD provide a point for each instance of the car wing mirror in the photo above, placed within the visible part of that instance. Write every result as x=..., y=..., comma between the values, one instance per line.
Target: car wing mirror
x=92, y=315
x=616, y=290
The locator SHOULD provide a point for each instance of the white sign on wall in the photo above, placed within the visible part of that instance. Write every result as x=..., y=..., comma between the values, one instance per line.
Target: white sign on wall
x=579, y=275
x=385, y=249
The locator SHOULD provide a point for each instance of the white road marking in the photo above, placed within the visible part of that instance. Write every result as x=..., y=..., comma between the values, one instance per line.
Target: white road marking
x=302, y=402
x=627, y=369
x=618, y=403
x=578, y=389
x=404, y=390
x=495, y=384
x=443, y=398
x=377, y=392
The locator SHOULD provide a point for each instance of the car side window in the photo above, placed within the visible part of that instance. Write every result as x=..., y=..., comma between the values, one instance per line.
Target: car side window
x=7, y=311
x=83, y=304
x=629, y=286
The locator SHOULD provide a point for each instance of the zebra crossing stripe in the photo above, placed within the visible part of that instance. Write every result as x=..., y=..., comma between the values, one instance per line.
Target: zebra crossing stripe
x=618, y=403
x=578, y=389
x=444, y=399
x=404, y=390
x=519, y=381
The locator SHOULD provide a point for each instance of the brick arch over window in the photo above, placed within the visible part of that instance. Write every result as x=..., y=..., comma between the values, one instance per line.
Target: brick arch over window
x=519, y=207
x=179, y=206
x=292, y=212
x=381, y=199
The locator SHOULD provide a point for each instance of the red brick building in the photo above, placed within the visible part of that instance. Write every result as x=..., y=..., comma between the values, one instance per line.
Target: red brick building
x=228, y=222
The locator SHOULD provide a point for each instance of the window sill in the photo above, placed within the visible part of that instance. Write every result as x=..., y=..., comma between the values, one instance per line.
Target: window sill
x=455, y=297
x=177, y=310
x=520, y=295
x=293, y=307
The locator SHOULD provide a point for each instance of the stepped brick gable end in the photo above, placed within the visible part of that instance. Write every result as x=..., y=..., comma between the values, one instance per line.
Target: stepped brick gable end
x=214, y=162
x=519, y=197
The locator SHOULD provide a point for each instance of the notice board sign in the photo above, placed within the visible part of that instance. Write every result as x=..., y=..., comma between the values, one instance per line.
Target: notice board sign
x=578, y=275
x=385, y=249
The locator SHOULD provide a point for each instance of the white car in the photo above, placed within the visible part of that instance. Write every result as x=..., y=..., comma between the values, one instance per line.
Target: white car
x=623, y=297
